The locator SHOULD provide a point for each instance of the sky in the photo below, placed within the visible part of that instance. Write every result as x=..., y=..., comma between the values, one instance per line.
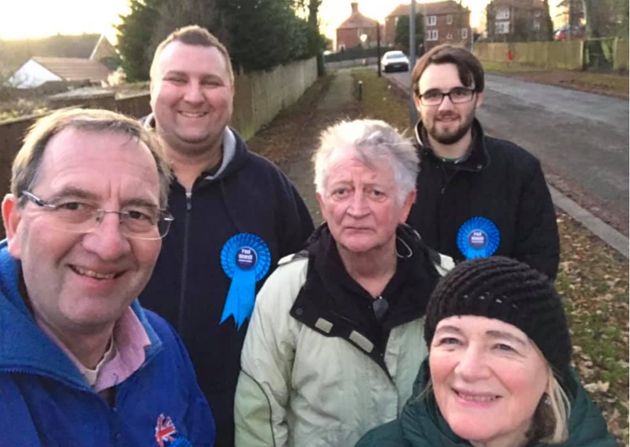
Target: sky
x=39, y=18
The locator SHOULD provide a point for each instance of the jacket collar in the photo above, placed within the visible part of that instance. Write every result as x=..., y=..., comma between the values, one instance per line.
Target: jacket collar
x=407, y=293
x=478, y=157
x=24, y=347
x=234, y=151
x=422, y=424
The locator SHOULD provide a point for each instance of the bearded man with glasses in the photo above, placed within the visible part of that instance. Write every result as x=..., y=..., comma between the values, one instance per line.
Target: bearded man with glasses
x=477, y=196
x=81, y=362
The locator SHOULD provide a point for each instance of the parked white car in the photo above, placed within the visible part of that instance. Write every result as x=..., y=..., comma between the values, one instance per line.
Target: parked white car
x=394, y=61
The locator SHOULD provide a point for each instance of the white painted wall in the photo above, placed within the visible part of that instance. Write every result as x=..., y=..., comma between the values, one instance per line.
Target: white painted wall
x=31, y=75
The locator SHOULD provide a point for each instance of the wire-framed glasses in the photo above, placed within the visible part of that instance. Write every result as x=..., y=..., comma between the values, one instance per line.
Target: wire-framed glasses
x=76, y=216
x=457, y=95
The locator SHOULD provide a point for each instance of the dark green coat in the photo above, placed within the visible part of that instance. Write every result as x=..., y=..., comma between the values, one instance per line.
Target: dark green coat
x=422, y=425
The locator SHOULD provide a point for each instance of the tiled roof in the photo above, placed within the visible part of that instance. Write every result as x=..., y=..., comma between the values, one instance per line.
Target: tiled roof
x=357, y=20
x=525, y=4
x=14, y=52
x=74, y=69
x=435, y=8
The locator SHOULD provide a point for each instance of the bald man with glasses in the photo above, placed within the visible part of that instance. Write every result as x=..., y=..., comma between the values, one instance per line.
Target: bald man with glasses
x=477, y=196
x=81, y=362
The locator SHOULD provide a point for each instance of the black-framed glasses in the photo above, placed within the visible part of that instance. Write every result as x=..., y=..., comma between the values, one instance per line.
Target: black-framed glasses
x=76, y=216
x=457, y=95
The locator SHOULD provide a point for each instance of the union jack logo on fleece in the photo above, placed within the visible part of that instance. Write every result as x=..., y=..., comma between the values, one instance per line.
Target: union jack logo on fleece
x=166, y=433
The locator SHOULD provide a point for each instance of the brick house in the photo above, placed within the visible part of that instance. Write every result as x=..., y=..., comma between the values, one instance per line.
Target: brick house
x=444, y=22
x=518, y=20
x=350, y=31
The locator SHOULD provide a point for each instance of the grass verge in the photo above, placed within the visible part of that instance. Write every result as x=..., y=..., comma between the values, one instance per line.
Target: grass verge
x=593, y=281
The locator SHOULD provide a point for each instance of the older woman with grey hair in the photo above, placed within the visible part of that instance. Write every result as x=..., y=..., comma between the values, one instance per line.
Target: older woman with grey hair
x=499, y=370
x=335, y=340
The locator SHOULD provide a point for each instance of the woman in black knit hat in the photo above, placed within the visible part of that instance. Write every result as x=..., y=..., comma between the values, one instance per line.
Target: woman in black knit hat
x=498, y=372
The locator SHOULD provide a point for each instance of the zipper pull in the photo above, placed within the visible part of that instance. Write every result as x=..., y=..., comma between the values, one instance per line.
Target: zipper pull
x=188, y=200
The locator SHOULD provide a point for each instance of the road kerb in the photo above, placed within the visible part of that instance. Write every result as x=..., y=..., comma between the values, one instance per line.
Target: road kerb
x=594, y=224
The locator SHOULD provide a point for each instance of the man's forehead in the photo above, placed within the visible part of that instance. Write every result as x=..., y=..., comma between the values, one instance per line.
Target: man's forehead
x=80, y=140
x=169, y=60
x=96, y=156
x=440, y=75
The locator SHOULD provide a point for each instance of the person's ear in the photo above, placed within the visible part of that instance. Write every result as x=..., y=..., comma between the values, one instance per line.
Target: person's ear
x=416, y=101
x=322, y=208
x=407, y=204
x=480, y=99
x=11, y=218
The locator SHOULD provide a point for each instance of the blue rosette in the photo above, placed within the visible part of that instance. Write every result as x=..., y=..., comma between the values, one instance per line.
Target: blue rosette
x=245, y=259
x=478, y=237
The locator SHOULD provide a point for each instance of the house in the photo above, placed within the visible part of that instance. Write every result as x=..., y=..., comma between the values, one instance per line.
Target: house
x=444, y=22
x=518, y=20
x=58, y=58
x=39, y=70
x=357, y=30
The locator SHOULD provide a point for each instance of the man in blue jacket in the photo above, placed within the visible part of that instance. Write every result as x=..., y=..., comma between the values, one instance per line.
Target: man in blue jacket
x=236, y=214
x=81, y=362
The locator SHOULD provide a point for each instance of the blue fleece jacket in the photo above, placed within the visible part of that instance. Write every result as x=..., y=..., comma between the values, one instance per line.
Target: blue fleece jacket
x=45, y=401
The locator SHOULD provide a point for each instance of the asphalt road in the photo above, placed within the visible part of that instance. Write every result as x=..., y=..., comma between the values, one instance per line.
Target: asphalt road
x=581, y=138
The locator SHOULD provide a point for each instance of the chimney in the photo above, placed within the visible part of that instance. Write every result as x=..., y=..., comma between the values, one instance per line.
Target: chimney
x=355, y=7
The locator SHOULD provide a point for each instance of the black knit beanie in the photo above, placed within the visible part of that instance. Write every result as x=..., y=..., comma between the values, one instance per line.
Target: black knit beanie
x=510, y=291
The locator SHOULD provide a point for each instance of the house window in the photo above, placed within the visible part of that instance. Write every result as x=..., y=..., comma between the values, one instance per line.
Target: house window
x=464, y=33
x=449, y=19
x=536, y=25
x=432, y=34
x=502, y=27
x=503, y=13
x=431, y=20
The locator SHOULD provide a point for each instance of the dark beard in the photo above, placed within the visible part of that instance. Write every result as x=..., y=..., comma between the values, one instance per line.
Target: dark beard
x=452, y=138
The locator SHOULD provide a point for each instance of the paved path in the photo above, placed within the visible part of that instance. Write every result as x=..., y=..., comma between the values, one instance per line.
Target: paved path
x=337, y=103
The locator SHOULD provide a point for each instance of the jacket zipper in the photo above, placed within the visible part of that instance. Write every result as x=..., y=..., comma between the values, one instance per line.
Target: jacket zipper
x=182, y=292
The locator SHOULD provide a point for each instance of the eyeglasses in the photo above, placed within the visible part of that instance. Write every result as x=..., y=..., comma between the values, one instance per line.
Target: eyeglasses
x=457, y=95
x=74, y=216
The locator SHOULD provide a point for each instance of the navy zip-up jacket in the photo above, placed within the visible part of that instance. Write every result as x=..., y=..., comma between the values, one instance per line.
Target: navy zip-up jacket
x=189, y=285
x=45, y=401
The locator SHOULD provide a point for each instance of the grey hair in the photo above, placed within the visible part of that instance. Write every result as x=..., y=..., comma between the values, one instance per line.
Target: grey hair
x=27, y=162
x=373, y=141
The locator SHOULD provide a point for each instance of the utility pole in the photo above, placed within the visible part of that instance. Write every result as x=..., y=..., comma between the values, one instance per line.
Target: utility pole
x=413, y=114
x=378, y=47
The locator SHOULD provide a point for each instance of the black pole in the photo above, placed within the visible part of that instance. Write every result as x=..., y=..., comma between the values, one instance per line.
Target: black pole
x=378, y=48
x=413, y=114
